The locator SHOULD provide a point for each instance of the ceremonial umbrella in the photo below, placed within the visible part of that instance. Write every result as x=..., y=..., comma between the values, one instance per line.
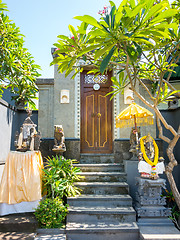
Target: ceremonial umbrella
x=134, y=115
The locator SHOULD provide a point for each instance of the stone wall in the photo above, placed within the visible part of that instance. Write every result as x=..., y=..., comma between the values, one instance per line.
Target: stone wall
x=72, y=148
x=46, y=107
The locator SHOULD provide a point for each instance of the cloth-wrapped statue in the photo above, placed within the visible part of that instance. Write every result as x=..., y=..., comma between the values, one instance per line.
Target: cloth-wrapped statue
x=150, y=165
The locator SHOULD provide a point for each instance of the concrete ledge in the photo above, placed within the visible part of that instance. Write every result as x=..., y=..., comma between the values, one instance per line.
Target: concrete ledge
x=51, y=231
x=160, y=233
x=45, y=81
x=6, y=104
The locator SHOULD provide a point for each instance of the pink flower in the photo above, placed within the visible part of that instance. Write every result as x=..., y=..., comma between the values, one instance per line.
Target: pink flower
x=72, y=37
x=103, y=11
x=105, y=7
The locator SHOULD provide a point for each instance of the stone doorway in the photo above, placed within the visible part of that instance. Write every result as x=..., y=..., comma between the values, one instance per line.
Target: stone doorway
x=96, y=113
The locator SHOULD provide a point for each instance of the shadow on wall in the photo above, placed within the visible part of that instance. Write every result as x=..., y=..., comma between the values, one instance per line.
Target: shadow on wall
x=10, y=121
x=172, y=118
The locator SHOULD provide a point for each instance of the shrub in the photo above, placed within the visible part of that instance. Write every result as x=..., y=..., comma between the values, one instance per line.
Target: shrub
x=51, y=213
x=59, y=177
x=58, y=180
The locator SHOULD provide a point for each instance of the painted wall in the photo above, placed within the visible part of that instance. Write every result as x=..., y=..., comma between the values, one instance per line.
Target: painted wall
x=7, y=116
x=64, y=113
x=46, y=107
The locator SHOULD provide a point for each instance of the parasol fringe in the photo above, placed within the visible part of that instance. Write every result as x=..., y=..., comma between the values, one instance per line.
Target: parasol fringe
x=130, y=122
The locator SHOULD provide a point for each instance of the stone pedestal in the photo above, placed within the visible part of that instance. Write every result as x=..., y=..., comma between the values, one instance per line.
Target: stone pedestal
x=150, y=204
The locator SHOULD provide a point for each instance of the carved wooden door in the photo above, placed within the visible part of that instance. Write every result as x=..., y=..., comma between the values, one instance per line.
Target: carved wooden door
x=96, y=114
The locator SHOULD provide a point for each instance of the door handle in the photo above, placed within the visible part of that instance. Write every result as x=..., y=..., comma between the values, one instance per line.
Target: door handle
x=99, y=115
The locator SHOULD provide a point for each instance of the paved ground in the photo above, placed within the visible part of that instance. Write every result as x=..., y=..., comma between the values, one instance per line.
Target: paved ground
x=17, y=236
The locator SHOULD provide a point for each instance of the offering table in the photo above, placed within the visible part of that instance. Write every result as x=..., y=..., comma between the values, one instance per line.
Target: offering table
x=21, y=183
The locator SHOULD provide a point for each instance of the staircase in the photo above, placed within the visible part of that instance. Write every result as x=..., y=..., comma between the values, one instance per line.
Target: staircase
x=104, y=210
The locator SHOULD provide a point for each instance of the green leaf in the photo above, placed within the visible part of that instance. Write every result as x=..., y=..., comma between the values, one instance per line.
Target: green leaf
x=106, y=60
x=137, y=9
x=155, y=10
x=166, y=14
x=112, y=3
x=63, y=37
x=132, y=53
x=88, y=19
x=73, y=31
x=132, y=3
x=88, y=49
x=101, y=51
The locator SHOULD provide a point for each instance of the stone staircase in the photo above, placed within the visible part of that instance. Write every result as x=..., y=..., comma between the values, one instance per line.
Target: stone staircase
x=104, y=210
x=18, y=226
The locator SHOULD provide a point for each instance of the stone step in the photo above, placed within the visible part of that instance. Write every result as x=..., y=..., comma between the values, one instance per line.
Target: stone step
x=155, y=232
x=102, y=231
x=101, y=214
x=96, y=158
x=50, y=237
x=103, y=176
x=105, y=167
x=17, y=236
x=100, y=200
x=102, y=188
x=22, y=222
x=51, y=233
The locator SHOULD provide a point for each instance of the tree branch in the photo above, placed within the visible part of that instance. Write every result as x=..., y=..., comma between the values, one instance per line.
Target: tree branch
x=166, y=125
x=161, y=136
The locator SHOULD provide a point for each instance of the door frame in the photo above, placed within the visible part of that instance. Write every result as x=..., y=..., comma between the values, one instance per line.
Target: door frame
x=112, y=114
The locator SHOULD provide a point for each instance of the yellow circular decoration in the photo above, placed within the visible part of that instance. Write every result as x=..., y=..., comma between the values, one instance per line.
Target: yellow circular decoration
x=144, y=152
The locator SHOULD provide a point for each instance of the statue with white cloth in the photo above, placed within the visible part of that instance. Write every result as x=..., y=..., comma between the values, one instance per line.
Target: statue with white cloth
x=150, y=165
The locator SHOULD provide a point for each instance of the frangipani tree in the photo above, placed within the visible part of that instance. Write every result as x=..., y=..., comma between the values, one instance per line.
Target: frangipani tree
x=141, y=40
x=18, y=71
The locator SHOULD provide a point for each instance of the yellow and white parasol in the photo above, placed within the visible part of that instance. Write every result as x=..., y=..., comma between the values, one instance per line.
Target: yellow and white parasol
x=134, y=115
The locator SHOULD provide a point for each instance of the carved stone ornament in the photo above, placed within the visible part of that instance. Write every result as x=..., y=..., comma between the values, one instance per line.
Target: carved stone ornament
x=149, y=201
x=59, y=139
x=92, y=79
x=28, y=139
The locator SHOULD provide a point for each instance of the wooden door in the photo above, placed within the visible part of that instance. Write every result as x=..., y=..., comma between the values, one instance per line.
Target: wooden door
x=96, y=114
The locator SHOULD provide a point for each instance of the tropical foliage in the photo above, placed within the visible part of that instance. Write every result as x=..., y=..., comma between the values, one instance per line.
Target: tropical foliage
x=59, y=177
x=51, y=213
x=18, y=71
x=141, y=41
x=58, y=182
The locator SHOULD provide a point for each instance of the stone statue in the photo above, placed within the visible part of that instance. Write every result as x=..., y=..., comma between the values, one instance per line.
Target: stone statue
x=27, y=139
x=133, y=141
x=150, y=165
x=59, y=139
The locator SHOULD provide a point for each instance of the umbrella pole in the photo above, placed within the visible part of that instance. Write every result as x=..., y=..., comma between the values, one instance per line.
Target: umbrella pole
x=136, y=129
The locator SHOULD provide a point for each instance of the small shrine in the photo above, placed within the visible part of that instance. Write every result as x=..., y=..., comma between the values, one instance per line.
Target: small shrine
x=28, y=139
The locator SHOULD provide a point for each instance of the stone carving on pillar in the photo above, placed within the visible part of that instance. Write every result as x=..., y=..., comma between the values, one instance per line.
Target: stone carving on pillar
x=133, y=142
x=28, y=139
x=150, y=203
x=59, y=139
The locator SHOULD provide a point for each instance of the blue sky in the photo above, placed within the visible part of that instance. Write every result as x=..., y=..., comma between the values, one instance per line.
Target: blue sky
x=41, y=21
